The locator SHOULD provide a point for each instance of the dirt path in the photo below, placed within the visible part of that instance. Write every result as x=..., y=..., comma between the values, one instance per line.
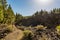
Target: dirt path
x=15, y=35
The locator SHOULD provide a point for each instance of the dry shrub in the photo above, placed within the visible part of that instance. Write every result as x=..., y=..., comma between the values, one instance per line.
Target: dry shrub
x=40, y=27
x=28, y=35
x=58, y=29
x=10, y=27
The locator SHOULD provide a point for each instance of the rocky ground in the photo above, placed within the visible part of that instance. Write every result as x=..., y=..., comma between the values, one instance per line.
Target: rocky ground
x=34, y=34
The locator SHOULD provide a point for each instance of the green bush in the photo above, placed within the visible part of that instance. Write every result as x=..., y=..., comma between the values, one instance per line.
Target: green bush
x=58, y=29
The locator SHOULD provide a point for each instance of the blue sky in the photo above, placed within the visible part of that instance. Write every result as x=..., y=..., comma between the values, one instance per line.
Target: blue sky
x=28, y=7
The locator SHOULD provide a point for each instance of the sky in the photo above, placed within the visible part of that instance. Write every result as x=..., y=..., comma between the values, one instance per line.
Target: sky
x=29, y=7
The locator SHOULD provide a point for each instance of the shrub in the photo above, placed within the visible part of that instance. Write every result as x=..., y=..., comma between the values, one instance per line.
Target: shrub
x=28, y=35
x=4, y=27
x=10, y=28
x=40, y=27
x=58, y=29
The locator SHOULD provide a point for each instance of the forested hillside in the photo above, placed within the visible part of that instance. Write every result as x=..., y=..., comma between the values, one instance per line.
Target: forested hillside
x=42, y=25
x=50, y=19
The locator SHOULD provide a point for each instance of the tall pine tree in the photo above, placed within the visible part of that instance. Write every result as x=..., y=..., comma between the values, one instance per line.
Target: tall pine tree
x=10, y=17
x=6, y=13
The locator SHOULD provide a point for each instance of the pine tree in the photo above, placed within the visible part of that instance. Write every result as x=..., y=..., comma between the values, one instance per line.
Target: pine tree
x=56, y=11
x=10, y=17
x=18, y=17
x=36, y=13
x=3, y=5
